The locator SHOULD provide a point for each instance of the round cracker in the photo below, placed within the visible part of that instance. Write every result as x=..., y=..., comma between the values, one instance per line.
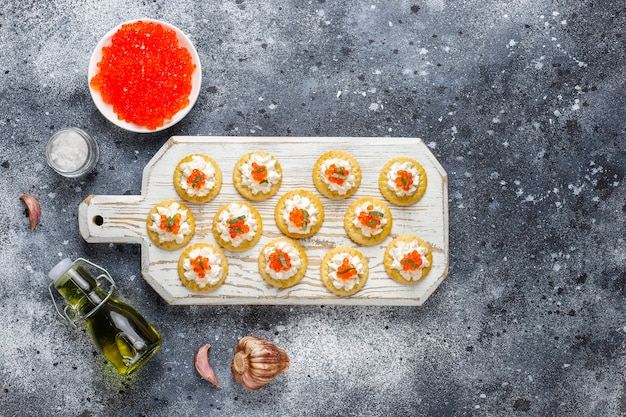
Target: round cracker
x=244, y=190
x=391, y=195
x=355, y=233
x=388, y=259
x=245, y=245
x=322, y=187
x=172, y=245
x=178, y=176
x=325, y=271
x=283, y=283
x=193, y=285
x=282, y=223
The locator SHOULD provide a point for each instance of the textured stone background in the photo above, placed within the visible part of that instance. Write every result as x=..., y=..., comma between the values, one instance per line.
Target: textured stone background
x=522, y=102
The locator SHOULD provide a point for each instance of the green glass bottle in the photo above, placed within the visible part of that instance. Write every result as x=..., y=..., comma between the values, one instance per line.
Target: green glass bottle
x=122, y=334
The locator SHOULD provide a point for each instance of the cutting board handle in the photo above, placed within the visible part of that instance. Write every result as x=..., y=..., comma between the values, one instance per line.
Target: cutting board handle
x=113, y=219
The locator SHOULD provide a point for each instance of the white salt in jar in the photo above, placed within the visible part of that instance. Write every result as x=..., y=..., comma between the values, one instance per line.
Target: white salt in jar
x=72, y=152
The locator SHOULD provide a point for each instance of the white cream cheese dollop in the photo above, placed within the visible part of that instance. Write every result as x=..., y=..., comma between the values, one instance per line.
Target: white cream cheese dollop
x=302, y=203
x=169, y=211
x=294, y=258
x=366, y=230
x=392, y=174
x=401, y=250
x=207, y=168
x=348, y=183
x=212, y=276
x=335, y=262
x=231, y=212
x=247, y=179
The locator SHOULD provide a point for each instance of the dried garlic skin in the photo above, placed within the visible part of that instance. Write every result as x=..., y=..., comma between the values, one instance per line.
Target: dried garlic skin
x=34, y=209
x=257, y=362
x=201, y=362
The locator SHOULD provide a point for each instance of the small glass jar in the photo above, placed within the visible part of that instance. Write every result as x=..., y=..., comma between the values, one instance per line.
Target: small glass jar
x=72, y=152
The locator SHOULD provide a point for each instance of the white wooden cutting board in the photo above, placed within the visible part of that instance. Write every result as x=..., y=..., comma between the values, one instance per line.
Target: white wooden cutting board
x=122, y=219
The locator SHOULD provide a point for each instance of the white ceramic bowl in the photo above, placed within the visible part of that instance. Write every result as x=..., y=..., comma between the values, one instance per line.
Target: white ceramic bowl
x=107, y=109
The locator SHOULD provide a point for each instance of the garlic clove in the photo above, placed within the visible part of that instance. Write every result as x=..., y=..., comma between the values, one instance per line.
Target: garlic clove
x=257, y=362
x=34, y=209
x=201, y=361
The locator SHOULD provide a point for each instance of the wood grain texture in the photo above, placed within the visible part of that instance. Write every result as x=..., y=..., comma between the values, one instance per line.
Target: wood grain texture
x=122, y=219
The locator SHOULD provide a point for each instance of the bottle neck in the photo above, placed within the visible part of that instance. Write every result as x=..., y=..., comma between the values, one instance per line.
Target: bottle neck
x=80, y=290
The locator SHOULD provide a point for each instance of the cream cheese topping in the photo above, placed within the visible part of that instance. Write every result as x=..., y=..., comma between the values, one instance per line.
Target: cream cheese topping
x=302, y=203
x=231, y=212
x=348, y=183
x=169, y=211
x=335, y=262
x=272, y=173
x=212, y=276
x=366, y=230
x=392, y=174
x=401, y=250
x=294, y=258
x=201, y=164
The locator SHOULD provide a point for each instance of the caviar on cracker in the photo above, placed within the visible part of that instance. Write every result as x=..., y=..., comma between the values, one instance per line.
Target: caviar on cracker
x=145, y=74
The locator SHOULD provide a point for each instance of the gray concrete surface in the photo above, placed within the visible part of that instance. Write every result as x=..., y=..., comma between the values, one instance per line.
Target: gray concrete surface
x=521, y=101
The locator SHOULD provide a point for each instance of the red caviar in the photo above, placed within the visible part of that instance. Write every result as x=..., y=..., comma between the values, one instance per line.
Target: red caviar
x=279, y=261
x=170, y=224
x=145, y=74
x=197, y=179
x=201, y=266
x=238, y=226
x=371, y=218
x=412, y=261
x=404, y=180
x=259, y=173
x=346, y=270
x=299, y=218
x=337, y=174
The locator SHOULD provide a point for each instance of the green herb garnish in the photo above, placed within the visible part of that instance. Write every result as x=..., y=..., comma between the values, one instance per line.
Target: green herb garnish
x=283, y=261
x=196, y=181
x=237, y=219
x=305, y=219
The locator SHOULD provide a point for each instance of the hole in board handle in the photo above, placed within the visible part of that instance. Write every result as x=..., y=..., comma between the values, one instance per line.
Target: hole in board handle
x=98, y=220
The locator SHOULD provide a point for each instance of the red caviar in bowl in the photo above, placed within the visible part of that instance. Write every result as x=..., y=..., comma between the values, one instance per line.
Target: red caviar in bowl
x=145, y=74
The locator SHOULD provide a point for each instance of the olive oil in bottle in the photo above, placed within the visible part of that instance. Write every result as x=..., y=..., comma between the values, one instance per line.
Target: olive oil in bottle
x=123, y=335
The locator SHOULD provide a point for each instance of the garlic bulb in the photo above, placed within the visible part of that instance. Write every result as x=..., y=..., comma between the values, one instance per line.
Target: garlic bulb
x=257, y=362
